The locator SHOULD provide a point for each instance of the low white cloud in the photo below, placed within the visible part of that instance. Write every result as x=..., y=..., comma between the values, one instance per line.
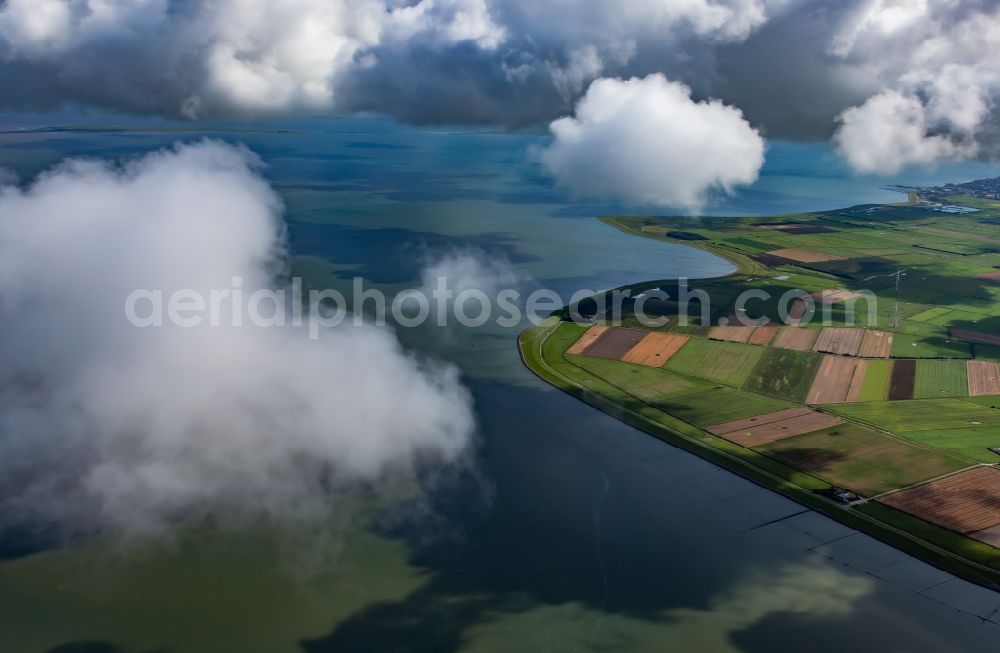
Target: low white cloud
x=937, y=86
x=103, y=424
x=646, y=141
x=892, y=130
x=446, y=21
x=469, y=269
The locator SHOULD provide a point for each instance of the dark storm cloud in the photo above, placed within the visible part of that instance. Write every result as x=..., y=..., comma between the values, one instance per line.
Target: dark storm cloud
x=894, y=81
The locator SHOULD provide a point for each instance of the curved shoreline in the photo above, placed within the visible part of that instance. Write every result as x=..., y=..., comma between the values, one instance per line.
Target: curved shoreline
x=689, y=438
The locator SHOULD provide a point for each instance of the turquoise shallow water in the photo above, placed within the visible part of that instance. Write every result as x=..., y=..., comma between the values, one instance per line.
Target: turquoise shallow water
x=570, y=531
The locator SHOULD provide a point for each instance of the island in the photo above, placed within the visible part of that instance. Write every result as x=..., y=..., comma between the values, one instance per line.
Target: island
x=851, y=362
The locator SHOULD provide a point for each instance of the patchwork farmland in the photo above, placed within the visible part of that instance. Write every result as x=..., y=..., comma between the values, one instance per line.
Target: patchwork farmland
x=983, y=378
x=785, y=373
x=889, y=387
x=726, y=362
x=901, y=383
x=764, y=335
x=838, y=380
x=731, y=333
x=862, y=459
x=796, y=338
x=762, y=429
x=843, y=341
x=965, y=502
x=614, y=343
x=876, y=344
x=655, y=349
x=587, y=339
x=940, y=378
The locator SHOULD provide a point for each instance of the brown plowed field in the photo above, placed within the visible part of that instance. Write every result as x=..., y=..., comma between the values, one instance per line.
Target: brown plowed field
x=731, y=333
x=837, y=381
x=975, y=336
x=991, y=276
x=655, y=349
x=587, y=339
x=781, y=429
x=904, y=372
x=614, y=342
x=965, y=502
x=805, y=255
x=764, y=335
x=876, y=344
x=840, y=340
x=797, y=338
x=766, y=418
x=984, y=378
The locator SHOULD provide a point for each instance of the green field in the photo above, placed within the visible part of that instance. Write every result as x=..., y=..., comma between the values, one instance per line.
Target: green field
x=562, y=338
x=974, y=442
x=646, y=383
x=864, y=460
x=906, y=345
x=940, y=378
x=989, y=402
x=784, y=373
x=720, y=405
x=919, y=414
x=725, y=362
x=876, y=383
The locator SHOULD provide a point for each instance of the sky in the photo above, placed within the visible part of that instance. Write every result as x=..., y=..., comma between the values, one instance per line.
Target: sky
x=891, y=82
x=658, y=103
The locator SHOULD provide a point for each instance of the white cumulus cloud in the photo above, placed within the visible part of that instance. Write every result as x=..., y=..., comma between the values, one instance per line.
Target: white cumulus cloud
x=938, y=82
x=892, y=130
x=105, y=424
x=646, y=141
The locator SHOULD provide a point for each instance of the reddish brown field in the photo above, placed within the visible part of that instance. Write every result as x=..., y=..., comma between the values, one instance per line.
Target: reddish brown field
x=840, y=340
x=837, y=381
x=800, y=255
x=587, y=339
x=614, y=342
x=764, y=335
x=655, y=349
x=975, y=336
x=876, y=344
x=797, y=338
x=731, y=333
x=984, y=378
x=790, y=422
x=904, y=373
x=751, y=422
x=990, y=276
x=965, y=502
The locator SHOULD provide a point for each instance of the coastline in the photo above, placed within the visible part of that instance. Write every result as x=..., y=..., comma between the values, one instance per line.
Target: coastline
x=757, y=468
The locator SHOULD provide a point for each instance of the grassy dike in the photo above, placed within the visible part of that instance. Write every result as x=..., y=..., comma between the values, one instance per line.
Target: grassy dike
x=542, y=350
